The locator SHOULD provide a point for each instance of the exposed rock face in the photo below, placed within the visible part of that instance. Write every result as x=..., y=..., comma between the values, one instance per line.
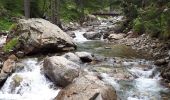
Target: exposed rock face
x=87, y=88
x=38, y=35
x=85, y=56
x=60, y=70
x=7, y=69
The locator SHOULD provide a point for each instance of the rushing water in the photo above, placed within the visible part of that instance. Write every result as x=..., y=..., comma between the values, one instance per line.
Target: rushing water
x=79, y=36
x=133, y=77
x=28, y=84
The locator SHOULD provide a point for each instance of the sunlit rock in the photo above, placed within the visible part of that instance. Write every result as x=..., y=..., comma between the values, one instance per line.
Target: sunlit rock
x=87, y=88
x=60, y=70
x=39, y=35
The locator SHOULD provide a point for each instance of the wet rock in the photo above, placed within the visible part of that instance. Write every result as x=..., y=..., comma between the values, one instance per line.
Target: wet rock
x=71, y=34
x=60, y=70
x=160, y=62
x=166, y=72
x=38, y=35
x=85, y=56
x=19, y=66
x=16, y=81
x=92, y=35
x=3, y=77
x=20, y=54
x=7, y=69
x=87, y=88
x=116, y=36
x=169, y=53
x=72, y=57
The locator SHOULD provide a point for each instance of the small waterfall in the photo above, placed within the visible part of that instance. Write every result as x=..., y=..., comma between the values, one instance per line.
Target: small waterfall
x=32, y=85
x=79, y=36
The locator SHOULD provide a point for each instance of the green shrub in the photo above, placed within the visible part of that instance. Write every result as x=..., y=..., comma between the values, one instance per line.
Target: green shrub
x=138, y=26
x=152, y=27
x=5, y=24
x=10, y=45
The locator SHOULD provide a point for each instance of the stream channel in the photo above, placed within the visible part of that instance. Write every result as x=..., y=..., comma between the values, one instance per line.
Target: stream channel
x=133, y=76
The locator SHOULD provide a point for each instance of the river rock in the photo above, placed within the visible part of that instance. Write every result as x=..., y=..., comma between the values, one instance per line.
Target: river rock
x=169, y=53
x=85, y=56
x=16, y=81
x=87, y=88
x=60, y=70
x=160, y=62
x=71, y=34
x=92, y=35
x=39, y=35
x=72, y=57
x=7, y=69
x=116, y=36
x=166, y=72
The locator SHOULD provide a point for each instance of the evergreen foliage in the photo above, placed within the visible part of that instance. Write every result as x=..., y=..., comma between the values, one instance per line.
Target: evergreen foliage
x=143, y=16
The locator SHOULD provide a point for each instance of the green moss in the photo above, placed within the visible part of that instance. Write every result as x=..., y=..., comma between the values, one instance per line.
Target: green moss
x=10, y=45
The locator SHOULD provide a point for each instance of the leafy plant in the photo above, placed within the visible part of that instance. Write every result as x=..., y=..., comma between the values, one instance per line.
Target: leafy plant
x=5, y=23
x=10, y=45
x=138, y=25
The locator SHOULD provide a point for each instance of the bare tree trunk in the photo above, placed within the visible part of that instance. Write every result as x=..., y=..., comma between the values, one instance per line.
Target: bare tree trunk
x=80, y=7
x=55, y=16
x=27, y=8
x=111, y=5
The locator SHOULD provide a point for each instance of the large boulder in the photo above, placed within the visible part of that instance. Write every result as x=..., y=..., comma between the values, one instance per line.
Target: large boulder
x=60, y=70
x=87, y=88
x=39, y=35
x=8, y=67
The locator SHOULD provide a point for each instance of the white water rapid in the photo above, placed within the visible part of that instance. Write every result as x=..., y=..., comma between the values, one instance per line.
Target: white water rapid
x=145, y=86
x=28, y=84
x=79, y=36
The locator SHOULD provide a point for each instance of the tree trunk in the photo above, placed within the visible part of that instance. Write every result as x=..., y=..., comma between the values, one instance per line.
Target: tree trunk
x=27, y=8
x=55, y=16
x=80, y=8
x=111, y=5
